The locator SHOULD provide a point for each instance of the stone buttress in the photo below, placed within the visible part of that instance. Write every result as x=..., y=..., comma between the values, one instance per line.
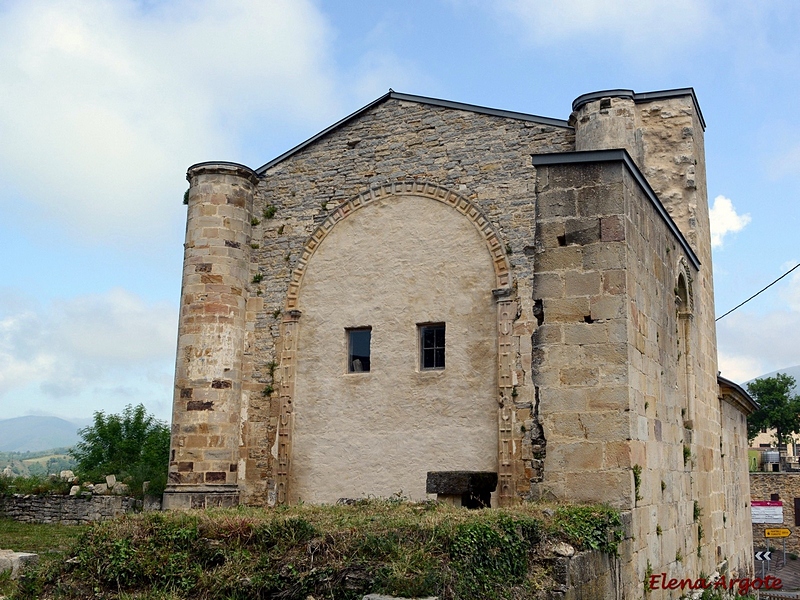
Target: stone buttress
x=203, y=467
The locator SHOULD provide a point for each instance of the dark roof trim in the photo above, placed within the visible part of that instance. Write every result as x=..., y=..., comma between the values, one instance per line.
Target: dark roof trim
x=641, y=97
x=621, y=155
x=747, y=398
x=495, y=112
x=218, y=166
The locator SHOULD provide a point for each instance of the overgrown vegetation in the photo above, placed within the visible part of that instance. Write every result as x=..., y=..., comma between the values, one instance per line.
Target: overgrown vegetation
x=339, y=552
x=51, y=542
x=32, y=485
x=133, y=445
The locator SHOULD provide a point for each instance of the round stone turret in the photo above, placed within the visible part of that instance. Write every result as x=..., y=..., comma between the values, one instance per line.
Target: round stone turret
x=607, y=120
x=204, y=451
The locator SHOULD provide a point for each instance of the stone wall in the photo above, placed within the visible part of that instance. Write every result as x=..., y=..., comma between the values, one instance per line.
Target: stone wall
x=483, y=158
x=69, y=510
x=787, y=487
x=616, y=364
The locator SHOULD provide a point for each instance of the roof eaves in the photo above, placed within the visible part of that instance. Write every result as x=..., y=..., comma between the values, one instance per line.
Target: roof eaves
x=744, y=396
x=621, y=155
x=495, y=112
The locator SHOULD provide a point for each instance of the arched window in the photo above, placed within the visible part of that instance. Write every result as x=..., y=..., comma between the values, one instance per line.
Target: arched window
x=685, y=371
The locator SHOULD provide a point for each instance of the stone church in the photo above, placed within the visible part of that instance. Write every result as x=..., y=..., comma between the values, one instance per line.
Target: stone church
x=432, y=289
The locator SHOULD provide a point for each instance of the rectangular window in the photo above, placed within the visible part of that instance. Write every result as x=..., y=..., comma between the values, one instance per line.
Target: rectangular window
x=431, y=346
x=358, y=341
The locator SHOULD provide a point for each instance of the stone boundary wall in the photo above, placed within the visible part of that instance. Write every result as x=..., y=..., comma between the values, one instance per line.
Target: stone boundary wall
x=787, y=486
x=69, y=510
x=586, y=575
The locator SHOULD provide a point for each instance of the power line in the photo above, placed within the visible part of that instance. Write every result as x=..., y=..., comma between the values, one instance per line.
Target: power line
x=758, y=292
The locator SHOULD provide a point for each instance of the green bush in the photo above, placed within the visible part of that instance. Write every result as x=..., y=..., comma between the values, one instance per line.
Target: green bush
x=134, y=446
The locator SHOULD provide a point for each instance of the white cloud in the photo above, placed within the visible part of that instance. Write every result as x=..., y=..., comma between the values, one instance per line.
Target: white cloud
x=751, y=345
x=648, y=26
x=100, y=347
x=103, y=105
x=725, y=220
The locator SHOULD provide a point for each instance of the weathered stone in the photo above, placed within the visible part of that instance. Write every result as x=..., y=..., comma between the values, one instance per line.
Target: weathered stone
x=74, y=490
x=111, y=480
x=563, y=549
x=66, y=475
x=16, y=561
x=100, y=488
x=120, y=489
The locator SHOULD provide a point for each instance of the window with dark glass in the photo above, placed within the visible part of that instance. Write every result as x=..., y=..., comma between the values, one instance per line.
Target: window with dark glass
x=358, y=341
x=431, y=345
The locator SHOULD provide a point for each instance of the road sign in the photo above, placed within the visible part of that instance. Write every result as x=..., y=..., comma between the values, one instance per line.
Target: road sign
x=777, y=533
x=767, y=511
x=763, y=555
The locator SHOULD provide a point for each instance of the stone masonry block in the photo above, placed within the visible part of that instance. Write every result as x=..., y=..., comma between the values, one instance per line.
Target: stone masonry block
x=617, y=455
x=585, y=333
x=604, y=257
x=607, y=307
x=614, y=282
x=549, y=232
x=548, y=334
x=612, y=228
x=601, y=200
x=581, y=456
x=574, y=399
x=608, y=426
x=548, y=285
x=609, y=398
x=559, y=259
x=581, y=231
x=568, y=310
x=581, y=376
x=612, y=486
x=557, y=203
x=578, y=283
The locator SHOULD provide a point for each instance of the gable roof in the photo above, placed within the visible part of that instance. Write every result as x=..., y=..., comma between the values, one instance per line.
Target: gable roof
x=391, y=94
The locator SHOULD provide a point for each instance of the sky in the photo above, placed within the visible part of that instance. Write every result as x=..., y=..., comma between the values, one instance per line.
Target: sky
x=105, y=103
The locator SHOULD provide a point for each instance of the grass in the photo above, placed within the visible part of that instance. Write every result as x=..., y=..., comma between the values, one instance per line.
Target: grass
x=338, y=552
x=40, y=538
x=53, y=543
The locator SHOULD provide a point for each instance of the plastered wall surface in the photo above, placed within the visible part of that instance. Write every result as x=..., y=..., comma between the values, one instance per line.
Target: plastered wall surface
x=393, y=265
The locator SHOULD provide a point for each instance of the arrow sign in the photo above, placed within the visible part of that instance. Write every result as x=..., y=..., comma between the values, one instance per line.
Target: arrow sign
x=763, y=555
x=777, y=533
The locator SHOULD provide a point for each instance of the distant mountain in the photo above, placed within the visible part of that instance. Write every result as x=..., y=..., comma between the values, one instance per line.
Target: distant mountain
x=32, y=434
x=791, y=371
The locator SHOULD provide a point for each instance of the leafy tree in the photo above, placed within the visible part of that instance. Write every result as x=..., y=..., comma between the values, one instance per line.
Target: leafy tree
x=134, y=446
x=780, y=408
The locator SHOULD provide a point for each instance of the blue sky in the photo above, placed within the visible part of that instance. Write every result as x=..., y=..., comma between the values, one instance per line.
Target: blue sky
x=104, y=104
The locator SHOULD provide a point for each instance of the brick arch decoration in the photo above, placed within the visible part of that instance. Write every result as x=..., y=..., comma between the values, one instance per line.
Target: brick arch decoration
x=402, y=188
x=506, y=314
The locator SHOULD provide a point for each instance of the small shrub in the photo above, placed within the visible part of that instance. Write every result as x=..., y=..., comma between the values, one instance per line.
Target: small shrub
x=269, y=211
